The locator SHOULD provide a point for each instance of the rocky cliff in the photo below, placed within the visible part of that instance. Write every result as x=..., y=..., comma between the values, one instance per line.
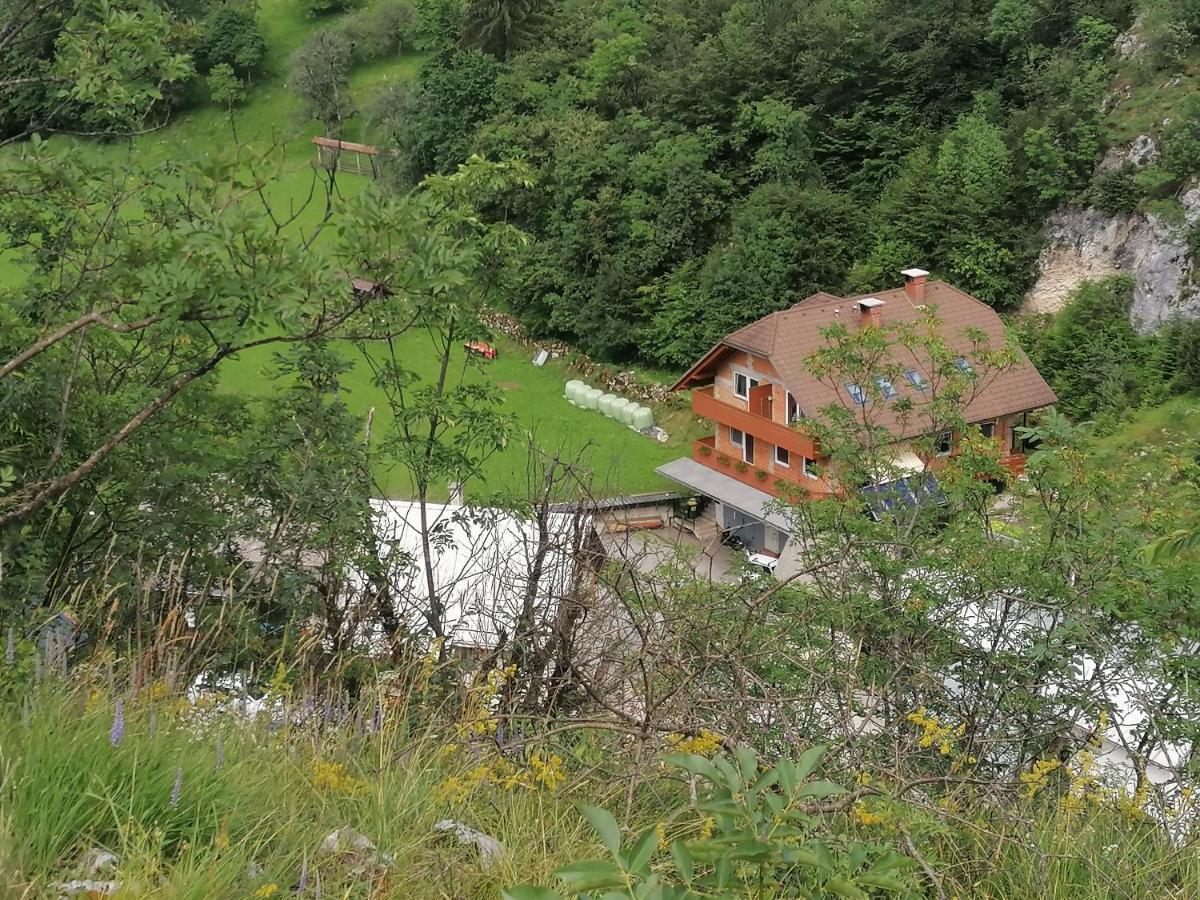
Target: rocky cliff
x=1082, y=244
x=1086, y=243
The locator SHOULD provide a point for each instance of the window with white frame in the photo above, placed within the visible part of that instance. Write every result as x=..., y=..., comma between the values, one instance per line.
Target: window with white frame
x=943, y=443
x=742, y=383
x=793, y=409
x=736, y=437
x=856, y=393
x=810, y=469
x=748, y=448
x=782, y=457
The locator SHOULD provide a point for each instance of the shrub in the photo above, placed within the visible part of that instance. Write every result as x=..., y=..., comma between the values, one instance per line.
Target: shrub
x=317, y=8
x=705, y=450
x=761, y=475
x=381, y=31
x=742, y=467
x=723, y=459
x=759, y=843
x=1117, y=191
x=1182, y=339
x=1181, y=140
x=230, y=35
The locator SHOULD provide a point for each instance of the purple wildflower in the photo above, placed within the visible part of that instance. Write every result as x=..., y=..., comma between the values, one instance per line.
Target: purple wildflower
x=118, y=725
x=303, y=877
x=177, y=788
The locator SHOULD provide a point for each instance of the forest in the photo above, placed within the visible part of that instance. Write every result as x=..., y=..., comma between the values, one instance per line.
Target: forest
x=258, y=502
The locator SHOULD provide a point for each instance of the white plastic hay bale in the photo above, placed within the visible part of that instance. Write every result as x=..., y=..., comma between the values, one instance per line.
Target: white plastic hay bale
x=574, y=388
x=643, y=417
x=621, y=408
x=590, y=398
x=606, y=404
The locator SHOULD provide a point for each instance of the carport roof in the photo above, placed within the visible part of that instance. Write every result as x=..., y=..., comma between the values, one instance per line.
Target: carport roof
x=730, y=491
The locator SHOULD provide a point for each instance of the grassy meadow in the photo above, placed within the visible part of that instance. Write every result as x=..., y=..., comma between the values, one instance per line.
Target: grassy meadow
x=621, y=461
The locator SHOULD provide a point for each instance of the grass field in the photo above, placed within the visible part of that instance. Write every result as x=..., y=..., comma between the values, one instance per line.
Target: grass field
x=621, y=460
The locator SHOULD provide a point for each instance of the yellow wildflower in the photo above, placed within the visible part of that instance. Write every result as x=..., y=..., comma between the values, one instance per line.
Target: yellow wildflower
x=267, y=890
x=156, y=690
x=1035, y=779
x=934, y=733
x=707, y=827
x=547, y=771
x=702, y=743
x=864, y=816
x=332, y=777
x=661, y=830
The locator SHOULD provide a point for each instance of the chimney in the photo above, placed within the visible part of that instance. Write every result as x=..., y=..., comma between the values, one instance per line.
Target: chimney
x=914, y=284
x=869, y=311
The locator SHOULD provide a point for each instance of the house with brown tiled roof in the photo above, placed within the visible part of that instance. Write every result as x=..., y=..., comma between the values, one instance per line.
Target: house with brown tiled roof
x=758, y=389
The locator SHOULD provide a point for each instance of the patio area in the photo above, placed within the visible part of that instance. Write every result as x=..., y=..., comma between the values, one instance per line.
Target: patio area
x=645, y=550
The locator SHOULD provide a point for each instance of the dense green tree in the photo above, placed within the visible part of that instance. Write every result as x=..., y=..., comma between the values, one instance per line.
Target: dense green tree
x=499, y=27
x=230, y=35
x=1092, y=357
x=650, y=127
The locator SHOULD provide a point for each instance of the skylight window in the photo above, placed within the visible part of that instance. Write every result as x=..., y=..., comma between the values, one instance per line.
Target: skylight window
x=856, y=393
x=916, y=379
x=963, y=364
x=885, y=387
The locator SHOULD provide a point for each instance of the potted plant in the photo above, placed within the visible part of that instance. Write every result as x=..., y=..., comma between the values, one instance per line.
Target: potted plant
x=723, y=459
x=705, y=450
x=742, y=467
x=760, y=474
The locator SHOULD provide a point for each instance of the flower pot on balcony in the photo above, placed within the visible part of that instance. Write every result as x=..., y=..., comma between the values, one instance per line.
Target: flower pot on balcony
x=705, y=450
x=760, y=475
x=742, y=467
x=723, y=459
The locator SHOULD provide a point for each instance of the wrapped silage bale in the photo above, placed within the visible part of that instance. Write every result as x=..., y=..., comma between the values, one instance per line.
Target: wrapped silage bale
x=606, y=404
x=590, y=398
x=643, y=417
x=574, y=388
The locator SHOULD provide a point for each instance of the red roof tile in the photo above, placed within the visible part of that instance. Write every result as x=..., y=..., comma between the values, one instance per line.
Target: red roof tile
x=788, y=337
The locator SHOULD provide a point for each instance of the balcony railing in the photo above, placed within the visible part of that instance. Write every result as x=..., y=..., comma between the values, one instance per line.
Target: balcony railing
x=704, y=452
x=705, y=405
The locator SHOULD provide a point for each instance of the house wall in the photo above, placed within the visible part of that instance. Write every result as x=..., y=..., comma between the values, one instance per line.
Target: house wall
x=723, y=389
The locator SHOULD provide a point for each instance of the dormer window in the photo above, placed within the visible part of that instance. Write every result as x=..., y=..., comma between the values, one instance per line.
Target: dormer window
x=885, y=387
x=916, y=379
x=856, y=393
x=963, y=365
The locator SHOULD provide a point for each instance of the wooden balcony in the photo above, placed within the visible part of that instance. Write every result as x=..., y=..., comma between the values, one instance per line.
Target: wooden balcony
x=764, y=429
x=704, y=452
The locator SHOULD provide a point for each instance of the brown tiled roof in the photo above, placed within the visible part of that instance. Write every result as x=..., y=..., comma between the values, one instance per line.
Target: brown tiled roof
x=789, y=336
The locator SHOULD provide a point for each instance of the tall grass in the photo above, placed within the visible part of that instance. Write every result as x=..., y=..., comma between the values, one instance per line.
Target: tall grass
x=256, y=800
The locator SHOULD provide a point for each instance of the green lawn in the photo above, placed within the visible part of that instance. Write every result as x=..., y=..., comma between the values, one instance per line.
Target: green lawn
x=621, y=460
